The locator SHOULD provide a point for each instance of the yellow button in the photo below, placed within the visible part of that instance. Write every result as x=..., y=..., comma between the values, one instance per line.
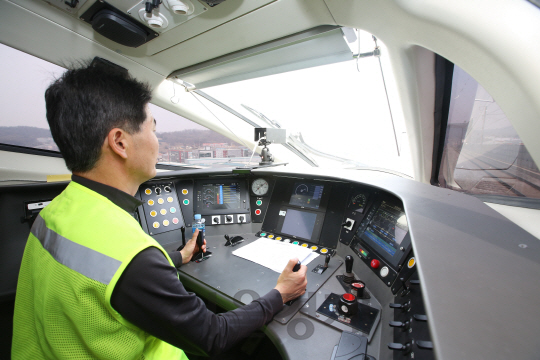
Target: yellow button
x=304, y=245
x=160, y=201
x=150, y=202
x=411, y=262
x=270, y=236
x=163, y=211
x=170, y=199
x=278, y=238
x=155, y=224
x=153, y=213
x=314, y=248
x=324, y=251
x=184, y=191
x=147, y=191
x=165, y=222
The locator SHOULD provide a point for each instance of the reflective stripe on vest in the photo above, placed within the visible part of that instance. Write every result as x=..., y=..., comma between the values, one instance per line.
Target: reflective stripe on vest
x=79, y=258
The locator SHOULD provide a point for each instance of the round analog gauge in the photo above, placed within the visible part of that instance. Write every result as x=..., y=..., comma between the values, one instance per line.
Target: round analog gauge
x=259, y=187
x=301, y=189
x=358, y=202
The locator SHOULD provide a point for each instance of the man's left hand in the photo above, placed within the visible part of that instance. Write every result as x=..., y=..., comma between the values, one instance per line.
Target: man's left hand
x=192, y=248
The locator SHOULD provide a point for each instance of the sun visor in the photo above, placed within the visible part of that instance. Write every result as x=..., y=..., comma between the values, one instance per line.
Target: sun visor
x=319, y=46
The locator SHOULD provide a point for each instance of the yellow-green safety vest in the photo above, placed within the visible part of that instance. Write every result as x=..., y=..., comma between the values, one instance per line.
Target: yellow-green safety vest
x=77, y=250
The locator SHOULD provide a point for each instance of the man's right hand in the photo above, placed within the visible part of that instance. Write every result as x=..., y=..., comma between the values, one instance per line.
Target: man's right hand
x=292, y=284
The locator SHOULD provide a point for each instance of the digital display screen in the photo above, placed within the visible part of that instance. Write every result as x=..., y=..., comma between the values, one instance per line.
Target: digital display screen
x=299, y=223
x=307, y=195
x=220, y=196
x=387, y=229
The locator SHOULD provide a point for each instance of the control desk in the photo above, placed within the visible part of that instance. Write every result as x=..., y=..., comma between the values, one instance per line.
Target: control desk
x=335, y=219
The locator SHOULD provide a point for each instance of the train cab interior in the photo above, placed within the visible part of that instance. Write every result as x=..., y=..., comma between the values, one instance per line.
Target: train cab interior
x=392, y=143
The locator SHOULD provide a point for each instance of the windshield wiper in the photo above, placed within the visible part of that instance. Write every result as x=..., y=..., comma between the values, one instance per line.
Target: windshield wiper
x=263, y=117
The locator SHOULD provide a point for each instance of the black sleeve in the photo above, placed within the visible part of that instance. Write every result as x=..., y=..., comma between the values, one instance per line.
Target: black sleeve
x=150, y=296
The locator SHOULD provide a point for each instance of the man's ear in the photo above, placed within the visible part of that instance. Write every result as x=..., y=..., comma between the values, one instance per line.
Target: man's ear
x=118, y=142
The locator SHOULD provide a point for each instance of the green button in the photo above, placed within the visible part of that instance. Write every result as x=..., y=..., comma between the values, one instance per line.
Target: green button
x=263, y=234
x=295, y=242
x=259, y=202
x=186, y=202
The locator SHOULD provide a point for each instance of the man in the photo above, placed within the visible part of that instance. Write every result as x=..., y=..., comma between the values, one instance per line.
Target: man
x=92, y=284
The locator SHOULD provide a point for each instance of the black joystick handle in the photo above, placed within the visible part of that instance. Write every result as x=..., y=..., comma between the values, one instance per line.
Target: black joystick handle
x=297, y=266
x=327, y=260
x=348, y=263
x=200, y=240
x=183, y=230
x=228, y=243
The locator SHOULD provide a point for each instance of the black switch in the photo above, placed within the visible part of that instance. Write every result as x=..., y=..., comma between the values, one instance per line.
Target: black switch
x=404, y=307
x=426, y=345
x=327, y=261
x=228, y=243
x=406, y=348
x=398, y=324
x=229, y=218
x=419, y=317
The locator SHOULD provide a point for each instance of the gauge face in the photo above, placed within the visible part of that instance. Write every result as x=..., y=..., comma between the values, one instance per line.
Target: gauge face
x=358, y=202
x=259, y=187
x=301, y=189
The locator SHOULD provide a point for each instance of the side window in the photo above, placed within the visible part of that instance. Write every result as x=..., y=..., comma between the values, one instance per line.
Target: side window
x=24, y=80
x=483, y=154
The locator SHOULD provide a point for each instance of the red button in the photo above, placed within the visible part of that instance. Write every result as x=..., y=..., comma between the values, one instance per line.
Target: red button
x=258, y=212
x=375, y=263
x=349, y=297
x=175, y=220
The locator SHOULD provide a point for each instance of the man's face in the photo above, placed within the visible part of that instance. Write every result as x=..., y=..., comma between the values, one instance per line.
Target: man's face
x=144, y=155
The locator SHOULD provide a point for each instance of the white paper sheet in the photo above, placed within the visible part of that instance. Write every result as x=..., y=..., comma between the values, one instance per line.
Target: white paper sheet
x=274, y=254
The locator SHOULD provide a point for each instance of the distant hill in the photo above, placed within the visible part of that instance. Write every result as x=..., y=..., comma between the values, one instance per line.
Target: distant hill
x=28, y=136
x=41, y=138
x=193, y=138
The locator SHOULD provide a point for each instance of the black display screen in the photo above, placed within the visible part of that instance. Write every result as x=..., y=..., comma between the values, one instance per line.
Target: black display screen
x=299, y=223
x=220, y=196
x=306, y=195
x=386, y=230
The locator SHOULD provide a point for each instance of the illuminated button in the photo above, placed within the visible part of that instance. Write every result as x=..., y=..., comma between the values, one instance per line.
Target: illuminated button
x=384, y=271
x=278, y=238
x=304, y=245
x=375, y=263
x=258, y=202
x=185, y=191
x=155, y=224
x=150, y=202
x=175, y=221
x=295, y=242
x=287, y=240
x=160, y=201
x=147, y=191
x=163, y=211
x=314, y=248
x=172, y=210
x=186, y=202
x=165, y=222
x=263, y=234
x=270, y=236
x=258, y=212
x=411, y=262
x=324, y=250
x=170, y=199
x=153, y=213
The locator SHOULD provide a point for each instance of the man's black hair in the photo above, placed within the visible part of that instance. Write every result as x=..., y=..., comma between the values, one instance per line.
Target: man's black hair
x=86, y=103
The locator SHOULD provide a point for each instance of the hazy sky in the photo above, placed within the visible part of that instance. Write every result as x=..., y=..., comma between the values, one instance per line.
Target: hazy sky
x=24, y=80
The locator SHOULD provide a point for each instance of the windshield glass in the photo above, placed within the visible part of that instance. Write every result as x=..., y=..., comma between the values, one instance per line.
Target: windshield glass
x=340, y=109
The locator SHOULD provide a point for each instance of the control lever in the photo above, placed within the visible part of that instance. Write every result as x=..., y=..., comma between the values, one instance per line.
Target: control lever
x=183, y=230
x=420, y=317
x=406, y=348
x=347, y=223
x=427, y=345
x=326, y=261
x=348, y=276
x=404, y=307
x=398, y=324
x=228, y=243
x=294, y=269
x=234, y=241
